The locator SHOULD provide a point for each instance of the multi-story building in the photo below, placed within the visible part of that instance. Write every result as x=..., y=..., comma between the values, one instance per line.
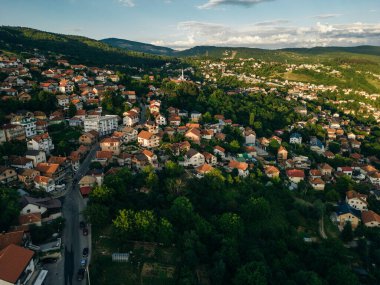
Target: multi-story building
x=104, y=125
x=14, y=132
x=29, y=125
x=147, y=139
x=41, y=142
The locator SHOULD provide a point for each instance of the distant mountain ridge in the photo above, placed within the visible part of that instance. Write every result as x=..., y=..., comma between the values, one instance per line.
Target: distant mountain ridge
x=138, y=46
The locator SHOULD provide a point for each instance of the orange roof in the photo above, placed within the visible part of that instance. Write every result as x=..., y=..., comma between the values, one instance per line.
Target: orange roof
x=271, y=169
x=317, y=181
x=57, y=159
x=110, y=140
x=42, y=179
x=239, y=165
x=145, y=135
x=29, y=218
x=11, y=238
x=13, y=261
x=104, y=154
x=282, y=149
x=219, y=148
x=295, y=173
x=147, y=153
x=370, y=216
x=205, y=168
x=47, y=167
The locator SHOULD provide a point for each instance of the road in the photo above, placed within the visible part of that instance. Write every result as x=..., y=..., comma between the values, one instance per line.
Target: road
x=64, y=271
x=322, y=228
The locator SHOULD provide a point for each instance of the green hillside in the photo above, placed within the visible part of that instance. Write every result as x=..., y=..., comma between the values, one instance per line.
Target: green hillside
x=137, y=46
x=76, y=48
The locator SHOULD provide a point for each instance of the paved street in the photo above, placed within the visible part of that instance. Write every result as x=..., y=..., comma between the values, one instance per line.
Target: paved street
x=64, y=271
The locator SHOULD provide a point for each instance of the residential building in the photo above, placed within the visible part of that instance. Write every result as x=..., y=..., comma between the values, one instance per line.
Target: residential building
x=242, y=167
x=282, y=154
x=7, y=175
x=295, y=175
x=194, y=135
x=346, y=214
x=14, y=132
x=29, y=125
x=44, y=183
x=193, y=158
x=41, y=142
x=295, y=138
x=110, y=144
x=148, y=140
x=16, y=265
x=356, y=200
x=37, y=156
x=219, y=151
x=104, y=125
x=131, y=118
x=317, y=184
x=272, y=171
x=250, y=136
x=370, y=219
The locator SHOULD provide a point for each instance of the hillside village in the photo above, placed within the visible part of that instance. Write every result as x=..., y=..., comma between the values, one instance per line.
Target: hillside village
x=43, y=149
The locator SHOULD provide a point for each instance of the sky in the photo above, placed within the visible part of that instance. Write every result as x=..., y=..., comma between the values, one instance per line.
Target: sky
x=183, y=24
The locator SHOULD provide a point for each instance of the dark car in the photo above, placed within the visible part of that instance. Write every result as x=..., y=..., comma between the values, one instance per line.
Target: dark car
x=85, y=231
x=80, y=274
x=49, y=260
x=82, y=224
x=85, y=252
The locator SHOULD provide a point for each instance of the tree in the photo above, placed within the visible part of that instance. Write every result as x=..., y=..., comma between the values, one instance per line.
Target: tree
x=347, y=235
x=98, y=215
x=181, y=213
x=253, y=273
x=9, y=208
x=341, y=275
x=334, y=147
x=72, y=110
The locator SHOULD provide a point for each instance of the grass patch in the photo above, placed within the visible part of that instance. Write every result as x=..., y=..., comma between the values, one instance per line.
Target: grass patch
x=331, y=230
x=298, y=77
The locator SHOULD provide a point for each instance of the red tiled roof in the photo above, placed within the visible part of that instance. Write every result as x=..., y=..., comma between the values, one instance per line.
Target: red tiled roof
x=295, y=173
x=370, y=216
x=13, y=261
x=11, y=238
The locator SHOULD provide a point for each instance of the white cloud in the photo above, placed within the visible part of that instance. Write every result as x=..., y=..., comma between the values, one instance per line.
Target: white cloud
x=273, y=34
x=326, y=16
x=215, y=3
x=127, y=3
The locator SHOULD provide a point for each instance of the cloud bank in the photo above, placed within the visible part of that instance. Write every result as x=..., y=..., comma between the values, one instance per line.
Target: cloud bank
x=215, y=3
x=274, y=34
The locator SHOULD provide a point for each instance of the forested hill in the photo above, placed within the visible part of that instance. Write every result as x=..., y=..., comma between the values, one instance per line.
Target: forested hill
x=137, y=46
x=76, y=48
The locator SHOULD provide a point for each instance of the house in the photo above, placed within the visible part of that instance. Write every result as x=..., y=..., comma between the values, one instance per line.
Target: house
x=152, y=158
x=110, y=144
x=51, y=170
x=20, y=162
x=87, y=181
x=88, y=138
x=7, y=175
x=295, y=138
x=315, y=173
x=207, y=134
x=13, y=237
x=375, y=178
x=49, y=208
x=63, y=100
x=29, y=125
x=219, y=151
x=148, y=140
x=14, y=132
x=356, y=200
x=160, y=120
x=16, y=265
x=370, y=219
x=174, y=120
x=203, y=169
x=346, y=170
x=210, y=158
x=131, y=118
x=104, y=125
x=282, y=154
x=242, y=167
x=124, y=159
x=346, y=214
x=30, y=219
x=27, y=176
x=152, y=127
x=316, y=145
x=44, y=183
x=194, y=135
x=317, y=184
x=41, y=142
x=195, y=116
x=271, y=171
x=326, y=169
x=129, y=134
x=139, y=161
x=250, y=136
x=37, y=156
x=295, y=175
x=193, y=158
x=103, y=157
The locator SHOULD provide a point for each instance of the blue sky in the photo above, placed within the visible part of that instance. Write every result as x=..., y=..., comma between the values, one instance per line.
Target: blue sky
x=182, y=24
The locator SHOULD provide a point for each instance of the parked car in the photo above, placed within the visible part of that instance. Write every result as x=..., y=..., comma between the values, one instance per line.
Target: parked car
x=49, y=260
x=83, y=262
x=85, y=252
x=82, y=224
x=80, y=274
x=85, y=231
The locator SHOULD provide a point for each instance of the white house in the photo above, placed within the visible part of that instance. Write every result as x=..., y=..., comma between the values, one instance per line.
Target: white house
x=195, y=116
x=242, y=167
x=37, y=156
x=148, y=140
x=375, y=178
x=356, y=200
x=193, y=158
x=41, y=142
x=220, y=151
x=161, y=120
x=295, y=138
x=250, y=136
x=370, y=219
x=29, y=125
x=130, y=119
x=44, y=183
